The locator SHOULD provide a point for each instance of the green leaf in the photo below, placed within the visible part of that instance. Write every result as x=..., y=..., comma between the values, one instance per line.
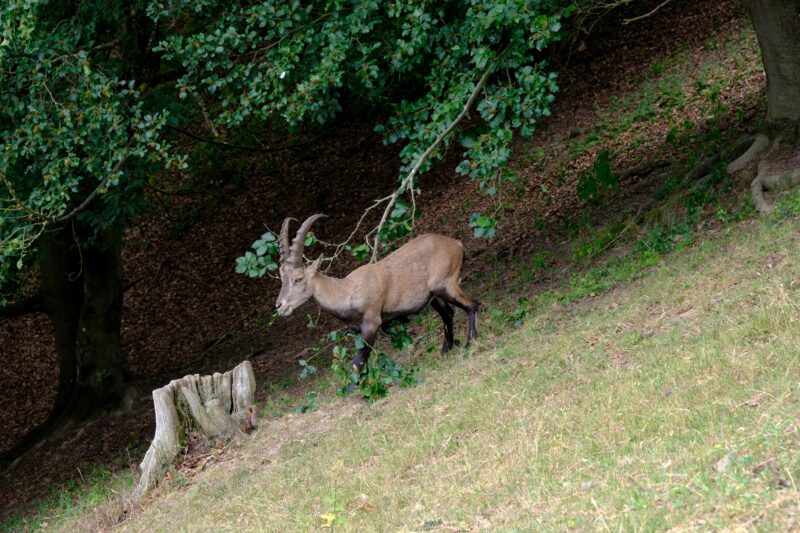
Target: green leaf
x=401, y=207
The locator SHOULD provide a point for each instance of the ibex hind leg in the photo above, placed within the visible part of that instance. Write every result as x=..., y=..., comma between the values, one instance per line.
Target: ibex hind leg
x=446, y=312
x=456, y=296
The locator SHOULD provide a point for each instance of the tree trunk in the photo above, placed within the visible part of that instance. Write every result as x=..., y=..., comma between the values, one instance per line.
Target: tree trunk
x=777, y=25
x=62, y=295
x=82, y=294
x=98, y=347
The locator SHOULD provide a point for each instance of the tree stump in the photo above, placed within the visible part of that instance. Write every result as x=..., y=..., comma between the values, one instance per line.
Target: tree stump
x=219, y=406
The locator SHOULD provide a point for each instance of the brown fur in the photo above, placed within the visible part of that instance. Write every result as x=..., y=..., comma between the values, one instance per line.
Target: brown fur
x=399, y=285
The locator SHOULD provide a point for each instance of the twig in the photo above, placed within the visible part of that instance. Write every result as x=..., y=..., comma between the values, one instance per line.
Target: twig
x=72, y=214
x=651, y=13
x=202, y=105
x=264, y=149
x=22, y=205
x=343, y=245
x=31, y=304
x=254, y=53
x=408, y=181
x=600, y=514
x=44, y=83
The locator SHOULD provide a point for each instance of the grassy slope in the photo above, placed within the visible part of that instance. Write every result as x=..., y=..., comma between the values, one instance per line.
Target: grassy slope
x=671, y=402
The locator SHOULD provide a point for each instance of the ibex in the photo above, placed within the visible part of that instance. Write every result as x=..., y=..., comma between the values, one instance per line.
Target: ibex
x=426, y=269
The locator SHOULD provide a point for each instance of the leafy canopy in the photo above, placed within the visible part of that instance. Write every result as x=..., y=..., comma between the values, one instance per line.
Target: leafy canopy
x=298, y=62
x=74, y=126
x=87, y=88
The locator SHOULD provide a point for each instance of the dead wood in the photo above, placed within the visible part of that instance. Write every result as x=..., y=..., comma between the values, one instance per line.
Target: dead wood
x=219, y=406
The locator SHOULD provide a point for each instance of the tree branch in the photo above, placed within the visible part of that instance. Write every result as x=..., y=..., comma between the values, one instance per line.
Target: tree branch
x=64, y=53
x=266, y=150
x=26, y=306
x=89, y=199
x=651, y=13
x=157, y=78
x=408, y=181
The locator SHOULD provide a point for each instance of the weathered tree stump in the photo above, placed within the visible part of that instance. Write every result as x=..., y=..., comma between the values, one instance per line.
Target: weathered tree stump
x=219, y=406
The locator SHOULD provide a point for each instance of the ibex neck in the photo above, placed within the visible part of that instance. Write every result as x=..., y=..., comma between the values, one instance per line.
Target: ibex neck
x=333, y=296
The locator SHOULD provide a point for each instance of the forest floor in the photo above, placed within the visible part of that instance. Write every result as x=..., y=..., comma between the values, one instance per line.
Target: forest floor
x=658, y=94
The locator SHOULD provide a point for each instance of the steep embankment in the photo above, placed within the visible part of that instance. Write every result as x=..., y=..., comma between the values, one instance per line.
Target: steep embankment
x=670, y=89
x=671, y=401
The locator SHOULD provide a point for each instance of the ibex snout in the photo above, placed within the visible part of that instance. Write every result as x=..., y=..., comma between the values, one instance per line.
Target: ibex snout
x=283, y=308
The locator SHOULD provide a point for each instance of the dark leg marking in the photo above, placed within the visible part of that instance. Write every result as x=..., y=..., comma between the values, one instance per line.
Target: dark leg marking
x=456, y=296
x=446, y=312
x=472, y=314
x=359, y=361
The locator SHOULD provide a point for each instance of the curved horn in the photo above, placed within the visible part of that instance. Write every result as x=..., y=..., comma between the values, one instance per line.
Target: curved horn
x=284, y=240
x=296, y=250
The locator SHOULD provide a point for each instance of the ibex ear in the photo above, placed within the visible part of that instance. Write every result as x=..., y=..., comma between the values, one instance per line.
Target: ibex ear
x=312, y=267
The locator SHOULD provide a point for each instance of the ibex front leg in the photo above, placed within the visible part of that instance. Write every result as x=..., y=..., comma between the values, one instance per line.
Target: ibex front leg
x=368, y=332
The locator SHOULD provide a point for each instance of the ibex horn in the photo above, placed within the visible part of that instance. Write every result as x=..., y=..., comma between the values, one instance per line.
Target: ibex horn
x=296, y=250
x=285, y=239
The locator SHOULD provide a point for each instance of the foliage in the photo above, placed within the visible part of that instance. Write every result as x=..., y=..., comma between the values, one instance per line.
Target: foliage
x=88, y=91
x=266, y=253
x=381, y=371
x=309, y=405
x=398, y=332
x=299, y=63
x=73, y=123
x=308, y=369
x=483, y=225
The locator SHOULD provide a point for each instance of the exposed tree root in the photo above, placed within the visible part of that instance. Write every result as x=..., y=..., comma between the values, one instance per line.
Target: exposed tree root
x=701, y=170
x=779, y=167
x=766, y=180
x=760, y=143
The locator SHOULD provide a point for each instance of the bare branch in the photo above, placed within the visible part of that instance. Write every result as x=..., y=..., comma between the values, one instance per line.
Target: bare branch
x=651, y=13
x=19, y=203
x=408, y=181
x=89, y=199
x=343, y=245
x=26, y=306
x=264, y=149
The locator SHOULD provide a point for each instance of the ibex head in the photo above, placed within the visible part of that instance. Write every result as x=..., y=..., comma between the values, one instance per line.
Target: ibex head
x=296, y=277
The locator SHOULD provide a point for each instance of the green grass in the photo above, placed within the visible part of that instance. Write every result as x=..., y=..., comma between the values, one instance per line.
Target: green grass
x=652, y=387
x=77, y=499
x=673, y=88
x=669, y=402
x=655, y=389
